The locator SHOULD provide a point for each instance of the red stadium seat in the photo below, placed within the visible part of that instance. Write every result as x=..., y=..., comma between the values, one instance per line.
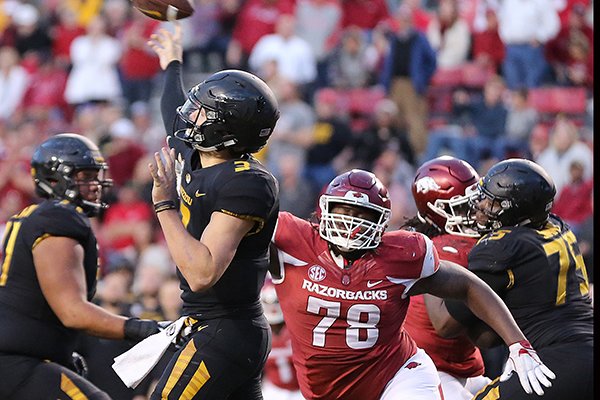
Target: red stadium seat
x=556, y=100
x=363, y=100
x=550, y=101
x=475, y=75
x=447, y=77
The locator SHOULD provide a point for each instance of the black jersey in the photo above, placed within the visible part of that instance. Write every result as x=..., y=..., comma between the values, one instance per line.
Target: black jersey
x=541, y=276
x=241, y=187
x=28, y=325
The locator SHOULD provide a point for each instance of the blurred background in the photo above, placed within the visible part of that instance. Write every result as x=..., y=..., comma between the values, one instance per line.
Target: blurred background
x=382, y=85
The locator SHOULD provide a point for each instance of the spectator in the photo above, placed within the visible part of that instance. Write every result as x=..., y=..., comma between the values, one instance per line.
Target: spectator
x=558, y=49
x=44, y=97
x=13, y=82
x=116, y=14
x=421, y=16
x=574, y=203
x=85, y=11
x=114, y=289
x=292, y=55
x=30, y=35
x=138, y=65
x=256, y=19
x=577, y=66
x=94, y=76
x=127, y=222
x=293, y=131
x=146, y=285
x=16, y=187
x=318, y=22
x=205, y=45
x=487, y=115
x=148, y=129
x=330, y=135
x=384, y=132
x=564, y=12
x=520, y=120
x=482, y=122
x=396, y=173
x=565, y=147
x=407, y=71
x=64, y=31
x=348, y=65
x=124, y=147
x=449, y=35
x=297, y=195
x=488, y=49
x=538, y=141
x=169, y=299
x=525, y=27
x=365, y=14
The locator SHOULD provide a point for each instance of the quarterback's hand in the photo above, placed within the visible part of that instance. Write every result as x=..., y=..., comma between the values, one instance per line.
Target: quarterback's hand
x=163, y=176
x=167, y=45
x=524, y=360
x=139, y=329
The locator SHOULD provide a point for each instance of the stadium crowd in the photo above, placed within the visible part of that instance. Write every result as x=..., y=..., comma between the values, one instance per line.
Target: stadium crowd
x=379, y=85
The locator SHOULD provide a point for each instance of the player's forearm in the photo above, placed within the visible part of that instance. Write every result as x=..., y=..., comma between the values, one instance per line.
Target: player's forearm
x=94, y=320
x=192, y=257
x=490, y=308
x=440, y=318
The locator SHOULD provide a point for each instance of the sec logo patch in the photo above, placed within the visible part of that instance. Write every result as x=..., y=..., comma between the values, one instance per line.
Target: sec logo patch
x=316, y=273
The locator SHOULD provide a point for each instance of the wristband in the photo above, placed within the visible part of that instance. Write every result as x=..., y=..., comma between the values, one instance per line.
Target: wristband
x=164, y=205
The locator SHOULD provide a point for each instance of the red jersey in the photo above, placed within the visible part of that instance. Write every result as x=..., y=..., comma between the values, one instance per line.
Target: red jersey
x=346, y=323
x=457, y=356
x=279, y=369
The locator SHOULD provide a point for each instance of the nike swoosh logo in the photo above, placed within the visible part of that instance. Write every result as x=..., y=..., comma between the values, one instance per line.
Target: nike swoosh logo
x=371, y=284
x=198, y=194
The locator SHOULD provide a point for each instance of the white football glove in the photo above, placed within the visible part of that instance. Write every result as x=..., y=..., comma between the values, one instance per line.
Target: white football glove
x=531, y=371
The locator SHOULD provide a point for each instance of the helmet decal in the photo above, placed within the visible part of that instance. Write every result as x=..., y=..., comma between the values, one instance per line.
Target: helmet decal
x=439, y=190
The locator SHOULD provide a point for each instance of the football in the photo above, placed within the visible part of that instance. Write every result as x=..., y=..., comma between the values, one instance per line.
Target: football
x=164, y=10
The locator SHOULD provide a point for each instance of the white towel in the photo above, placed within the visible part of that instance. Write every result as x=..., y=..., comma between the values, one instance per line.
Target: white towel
x=133, y=365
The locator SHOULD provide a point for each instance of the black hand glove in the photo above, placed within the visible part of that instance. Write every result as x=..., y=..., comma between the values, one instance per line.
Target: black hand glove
x=139, y=329
x=79, y=364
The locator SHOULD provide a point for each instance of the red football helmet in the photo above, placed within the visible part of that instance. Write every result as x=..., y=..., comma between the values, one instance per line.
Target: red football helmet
x=439, y=192
x=357, y=188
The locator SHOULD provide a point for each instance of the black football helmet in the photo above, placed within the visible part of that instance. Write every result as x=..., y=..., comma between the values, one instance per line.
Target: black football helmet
x=241, y=112
x=56, y=162
x=521, y=193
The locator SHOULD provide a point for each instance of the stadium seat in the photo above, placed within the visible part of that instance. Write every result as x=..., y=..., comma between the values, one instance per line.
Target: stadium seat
x=363, y=100
x=569, y=100
x=474, y=75
x=447, y=77
x=550, y=101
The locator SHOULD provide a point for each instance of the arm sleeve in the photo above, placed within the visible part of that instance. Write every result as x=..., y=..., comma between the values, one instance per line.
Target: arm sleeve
x=173, y=95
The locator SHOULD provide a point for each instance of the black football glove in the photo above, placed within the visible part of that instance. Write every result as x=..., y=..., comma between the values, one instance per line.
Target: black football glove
x=139, y=329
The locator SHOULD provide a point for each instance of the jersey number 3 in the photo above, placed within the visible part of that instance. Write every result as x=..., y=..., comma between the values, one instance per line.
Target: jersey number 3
x=353, y=318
